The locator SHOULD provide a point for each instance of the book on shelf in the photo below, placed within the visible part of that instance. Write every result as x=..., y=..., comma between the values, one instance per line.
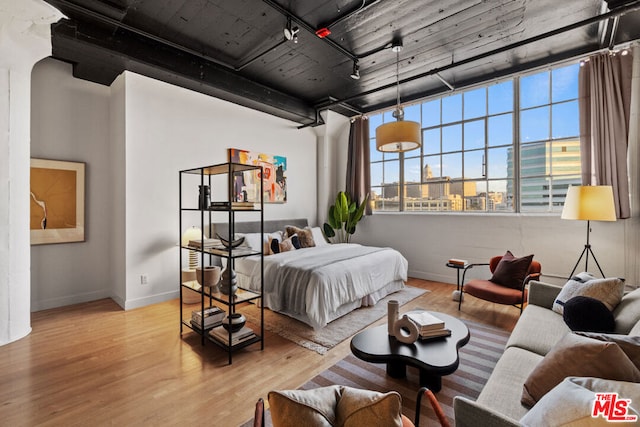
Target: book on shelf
x=207, y=243
x=458, y=262
x=207, y=325
x=232, y=205
x=442, y=332
x=426, y=321
x=222, y=335
x=211, y=316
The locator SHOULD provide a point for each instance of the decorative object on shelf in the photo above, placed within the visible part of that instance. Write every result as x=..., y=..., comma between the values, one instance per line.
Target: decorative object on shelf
x=400, y=135
x=589, y=203
x=229, y=282
x=192, y=233
x=204, y=197
x=57, y=201
x=405, y=330
x=246, y=185
x=393, y=307
x=208, y=277
x=234, y=244
x=343, y=217
x=234, y=322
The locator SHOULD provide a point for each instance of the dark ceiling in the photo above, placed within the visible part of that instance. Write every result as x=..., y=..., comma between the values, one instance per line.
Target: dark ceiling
x=236, y=49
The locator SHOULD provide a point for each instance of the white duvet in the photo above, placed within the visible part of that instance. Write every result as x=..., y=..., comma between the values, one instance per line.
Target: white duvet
x=312, y=283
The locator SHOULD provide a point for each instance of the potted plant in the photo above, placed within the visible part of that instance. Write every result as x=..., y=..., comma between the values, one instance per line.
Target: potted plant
x=343, y=217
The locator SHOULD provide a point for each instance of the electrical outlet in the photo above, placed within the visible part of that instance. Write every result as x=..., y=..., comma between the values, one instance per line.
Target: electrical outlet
x=144, y=279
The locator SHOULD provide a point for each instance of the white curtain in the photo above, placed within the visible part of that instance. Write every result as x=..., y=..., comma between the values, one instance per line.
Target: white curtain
x=604, y=98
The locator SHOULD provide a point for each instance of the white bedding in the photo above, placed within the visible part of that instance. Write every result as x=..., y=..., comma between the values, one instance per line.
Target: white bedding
x=315, y=284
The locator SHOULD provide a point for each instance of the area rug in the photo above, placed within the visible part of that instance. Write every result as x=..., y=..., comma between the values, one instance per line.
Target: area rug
x=477, y=360
x=335, y=332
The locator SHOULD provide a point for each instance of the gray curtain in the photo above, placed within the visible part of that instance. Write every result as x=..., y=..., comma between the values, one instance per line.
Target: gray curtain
x=604, y=98
x=358, y=163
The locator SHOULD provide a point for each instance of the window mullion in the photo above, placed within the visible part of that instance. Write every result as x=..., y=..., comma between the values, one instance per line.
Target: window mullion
x=516, y=146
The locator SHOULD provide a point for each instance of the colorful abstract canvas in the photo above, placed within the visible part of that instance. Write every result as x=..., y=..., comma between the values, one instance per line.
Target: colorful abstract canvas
x=274, y=180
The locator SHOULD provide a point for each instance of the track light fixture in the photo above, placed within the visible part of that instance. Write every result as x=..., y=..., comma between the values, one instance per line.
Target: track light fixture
x=291, y=33
x=355, y=74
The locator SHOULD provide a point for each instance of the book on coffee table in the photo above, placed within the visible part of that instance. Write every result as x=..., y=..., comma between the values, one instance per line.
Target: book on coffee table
x=426, y=321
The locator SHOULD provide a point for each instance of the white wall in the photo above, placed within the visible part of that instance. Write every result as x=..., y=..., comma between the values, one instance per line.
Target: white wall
x=134, y=138
x=169, y=129
x=428, y=240
x=70, y=121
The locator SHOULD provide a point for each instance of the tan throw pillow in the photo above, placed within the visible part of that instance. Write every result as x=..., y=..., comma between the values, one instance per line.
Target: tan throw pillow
x=358, y=408
x=629, y=344
x=305, y=235
x=287, y=245
x=580, y=356
x=335, y=406
x=294, y=408
x=608, y=290
x=511, y=271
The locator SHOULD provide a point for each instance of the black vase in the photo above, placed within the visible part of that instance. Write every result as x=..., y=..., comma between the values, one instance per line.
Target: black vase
x=204, y=198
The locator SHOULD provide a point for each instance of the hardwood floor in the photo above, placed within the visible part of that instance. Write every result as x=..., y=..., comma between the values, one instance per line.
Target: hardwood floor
x=95, y=364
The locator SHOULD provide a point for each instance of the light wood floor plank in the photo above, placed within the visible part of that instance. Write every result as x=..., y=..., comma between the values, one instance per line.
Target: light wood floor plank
x=95, y=364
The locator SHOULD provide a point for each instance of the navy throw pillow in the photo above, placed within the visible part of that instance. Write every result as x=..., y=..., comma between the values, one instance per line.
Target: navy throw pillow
x=588, y=314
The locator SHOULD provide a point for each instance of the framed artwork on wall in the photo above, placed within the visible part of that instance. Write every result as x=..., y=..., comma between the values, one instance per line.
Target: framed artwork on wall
x=247, y=184
x=57, y=201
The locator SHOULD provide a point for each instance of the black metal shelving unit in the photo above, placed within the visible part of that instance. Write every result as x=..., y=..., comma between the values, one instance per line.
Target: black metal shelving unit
x=190, y=179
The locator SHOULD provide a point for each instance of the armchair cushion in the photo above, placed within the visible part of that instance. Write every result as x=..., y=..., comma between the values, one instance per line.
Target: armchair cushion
x=335, y=405
x=490, y=291
x=511, y=271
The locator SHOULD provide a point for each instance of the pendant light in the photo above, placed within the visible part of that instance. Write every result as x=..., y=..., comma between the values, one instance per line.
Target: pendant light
x=401, y=135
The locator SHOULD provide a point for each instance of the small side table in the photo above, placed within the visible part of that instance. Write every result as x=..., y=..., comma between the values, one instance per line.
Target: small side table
x=457, y=295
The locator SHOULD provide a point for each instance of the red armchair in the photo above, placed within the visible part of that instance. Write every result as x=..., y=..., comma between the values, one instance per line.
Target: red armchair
x=507, y=285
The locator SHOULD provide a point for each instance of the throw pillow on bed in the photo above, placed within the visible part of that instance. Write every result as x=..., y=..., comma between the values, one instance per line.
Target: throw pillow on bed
x=277, y=245
x=511, y=271
x=304, y=234
x=607, y=290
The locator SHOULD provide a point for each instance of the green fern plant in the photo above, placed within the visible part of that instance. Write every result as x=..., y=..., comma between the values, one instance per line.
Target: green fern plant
x=344, y=214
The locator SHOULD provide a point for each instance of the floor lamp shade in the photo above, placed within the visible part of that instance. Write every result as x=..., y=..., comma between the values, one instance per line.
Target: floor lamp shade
x=398, y=136
x=589, y=203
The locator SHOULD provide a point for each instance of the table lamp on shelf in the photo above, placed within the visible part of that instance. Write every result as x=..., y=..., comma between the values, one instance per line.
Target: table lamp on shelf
x=192, y=233
x=189, y=274
x=589, y=203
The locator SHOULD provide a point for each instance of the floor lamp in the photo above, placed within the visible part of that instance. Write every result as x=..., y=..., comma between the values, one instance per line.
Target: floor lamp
x=589, y=203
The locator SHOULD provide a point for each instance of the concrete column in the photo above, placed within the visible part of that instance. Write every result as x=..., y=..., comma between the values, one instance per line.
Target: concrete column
x=25, y=38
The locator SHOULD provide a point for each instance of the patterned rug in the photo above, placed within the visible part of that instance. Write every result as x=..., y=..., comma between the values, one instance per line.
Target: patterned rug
x=335, y=332
x=477, y=360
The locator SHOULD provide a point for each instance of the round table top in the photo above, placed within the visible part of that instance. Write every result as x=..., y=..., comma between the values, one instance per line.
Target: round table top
x=435, y=355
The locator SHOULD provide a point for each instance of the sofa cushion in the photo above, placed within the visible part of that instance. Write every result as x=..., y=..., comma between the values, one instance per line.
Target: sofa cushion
x=502, y=391
x=335, y=405
x=583, y=313
x=627, y=313
x=511, y=271
x=571, y=402
x=538, y=330
x=608, y=290
x=578, y=355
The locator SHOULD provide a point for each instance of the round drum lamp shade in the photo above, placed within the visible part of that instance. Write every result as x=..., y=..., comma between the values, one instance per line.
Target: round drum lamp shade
x=589, y=203
x=398, y=136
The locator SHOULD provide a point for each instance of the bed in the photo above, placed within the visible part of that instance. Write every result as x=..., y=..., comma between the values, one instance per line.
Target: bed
x=319, y=284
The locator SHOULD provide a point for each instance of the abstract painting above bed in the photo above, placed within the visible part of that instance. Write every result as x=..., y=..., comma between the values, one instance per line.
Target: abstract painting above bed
x=321, y=283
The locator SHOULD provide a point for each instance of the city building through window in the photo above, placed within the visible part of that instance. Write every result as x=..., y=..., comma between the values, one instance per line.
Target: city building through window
x=512, y=146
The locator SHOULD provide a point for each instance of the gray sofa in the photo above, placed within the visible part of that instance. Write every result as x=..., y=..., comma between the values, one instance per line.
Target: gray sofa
x=536, y=332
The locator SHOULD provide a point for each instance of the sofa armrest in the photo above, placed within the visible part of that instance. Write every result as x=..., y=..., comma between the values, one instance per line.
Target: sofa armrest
x=468, y=413
x=543, y=294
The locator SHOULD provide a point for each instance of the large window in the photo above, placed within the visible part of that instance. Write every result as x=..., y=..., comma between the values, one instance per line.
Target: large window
x=507, y=147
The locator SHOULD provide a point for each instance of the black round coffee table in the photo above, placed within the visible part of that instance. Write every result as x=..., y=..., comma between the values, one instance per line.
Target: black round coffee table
x=433, y=357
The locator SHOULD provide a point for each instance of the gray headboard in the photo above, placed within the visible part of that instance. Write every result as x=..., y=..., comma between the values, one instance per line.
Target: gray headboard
x=254, y=226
